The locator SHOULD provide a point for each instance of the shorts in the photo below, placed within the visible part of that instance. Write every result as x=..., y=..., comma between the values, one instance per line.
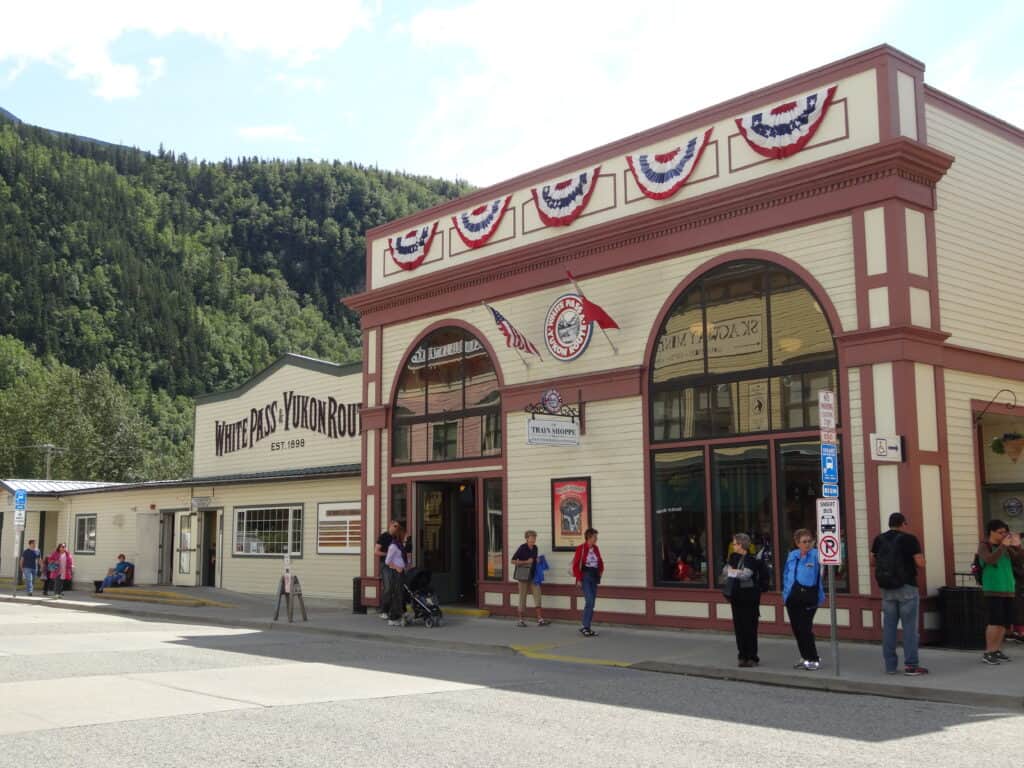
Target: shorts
x=999, y=610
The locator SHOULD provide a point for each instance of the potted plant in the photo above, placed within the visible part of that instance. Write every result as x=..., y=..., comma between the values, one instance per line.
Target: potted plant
x=1011, y=444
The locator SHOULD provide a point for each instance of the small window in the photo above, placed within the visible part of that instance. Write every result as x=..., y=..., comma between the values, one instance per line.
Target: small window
x=339, y=528
x=264, y=531
x=85, y=534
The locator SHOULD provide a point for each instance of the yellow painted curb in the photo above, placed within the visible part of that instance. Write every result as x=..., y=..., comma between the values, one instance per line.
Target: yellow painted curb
x=457, y=611
x=573, y=659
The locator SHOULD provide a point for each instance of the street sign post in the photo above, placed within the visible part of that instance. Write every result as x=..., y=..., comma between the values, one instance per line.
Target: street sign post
x=829, y=540
x=20, y=504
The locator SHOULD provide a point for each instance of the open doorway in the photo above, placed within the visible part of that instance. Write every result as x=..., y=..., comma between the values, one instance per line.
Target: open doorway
x=445, y=538
x=209, y=548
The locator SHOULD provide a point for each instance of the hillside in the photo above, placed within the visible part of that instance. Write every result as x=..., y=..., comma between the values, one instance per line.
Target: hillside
x=160, y=278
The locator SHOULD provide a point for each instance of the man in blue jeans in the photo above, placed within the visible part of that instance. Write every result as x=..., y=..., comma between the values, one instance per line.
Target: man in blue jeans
x=30, y=565
x=896, y=555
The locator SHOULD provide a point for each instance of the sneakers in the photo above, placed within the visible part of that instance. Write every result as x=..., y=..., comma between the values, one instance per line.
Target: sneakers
x=587, y=632
x=745, y=663
x=520, y=623
x=542, y=622
x=396, y=623
x=812, y=666
x=383, y=615
x=912, y=670
x=1001, y=656
x=800, y=664
x=990, y=658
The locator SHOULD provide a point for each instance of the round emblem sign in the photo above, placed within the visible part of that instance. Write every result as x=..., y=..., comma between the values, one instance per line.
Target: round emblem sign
x=551, y=400
x=566, y=332
x=1013, y=506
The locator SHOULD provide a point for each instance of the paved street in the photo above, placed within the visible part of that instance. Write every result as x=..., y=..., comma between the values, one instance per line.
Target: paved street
x=88, y=689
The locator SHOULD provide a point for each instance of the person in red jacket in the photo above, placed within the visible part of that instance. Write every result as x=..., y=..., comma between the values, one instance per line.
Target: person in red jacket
x=587, y=567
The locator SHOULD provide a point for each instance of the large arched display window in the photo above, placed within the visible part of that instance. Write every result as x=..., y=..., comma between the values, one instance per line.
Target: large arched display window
x=733, y=408
x=447, y=404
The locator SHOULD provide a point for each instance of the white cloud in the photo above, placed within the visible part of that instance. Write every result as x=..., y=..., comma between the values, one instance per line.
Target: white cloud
x=300, y=83
x=283, y=132
x=77, y=37
x=157, y=68
x=551, y=79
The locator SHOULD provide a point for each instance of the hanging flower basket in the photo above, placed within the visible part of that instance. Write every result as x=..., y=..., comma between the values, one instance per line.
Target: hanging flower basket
x=1010, y=444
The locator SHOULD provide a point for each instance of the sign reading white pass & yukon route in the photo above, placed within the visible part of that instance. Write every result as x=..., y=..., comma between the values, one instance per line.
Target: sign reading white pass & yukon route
x=552, y=432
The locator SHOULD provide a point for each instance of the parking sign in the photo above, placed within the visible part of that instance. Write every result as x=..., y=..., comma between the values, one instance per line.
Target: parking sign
x=829, y=464
x=20, y=500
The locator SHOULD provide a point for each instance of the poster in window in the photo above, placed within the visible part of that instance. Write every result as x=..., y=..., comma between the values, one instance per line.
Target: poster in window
x=570, y=512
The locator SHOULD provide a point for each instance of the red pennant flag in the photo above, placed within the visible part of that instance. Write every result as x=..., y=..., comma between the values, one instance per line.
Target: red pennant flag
x=593, y=313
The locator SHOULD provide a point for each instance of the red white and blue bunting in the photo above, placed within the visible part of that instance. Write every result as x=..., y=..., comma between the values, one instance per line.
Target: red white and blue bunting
x=661, y=175
x=559, y=203
x=478, y=225
x=409, y=250
x=786, y=129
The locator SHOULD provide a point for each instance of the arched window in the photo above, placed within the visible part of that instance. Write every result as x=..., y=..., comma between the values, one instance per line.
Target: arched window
x=738, y=365
x=447, y=405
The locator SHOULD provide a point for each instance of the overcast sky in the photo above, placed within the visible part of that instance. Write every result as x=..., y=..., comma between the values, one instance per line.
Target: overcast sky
x=480, y=90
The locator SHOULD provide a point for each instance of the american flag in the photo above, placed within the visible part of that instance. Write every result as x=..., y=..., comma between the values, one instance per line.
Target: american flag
x=513, y=338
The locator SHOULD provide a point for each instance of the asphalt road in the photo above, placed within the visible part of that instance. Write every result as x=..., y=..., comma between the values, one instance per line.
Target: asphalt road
x=79, y=689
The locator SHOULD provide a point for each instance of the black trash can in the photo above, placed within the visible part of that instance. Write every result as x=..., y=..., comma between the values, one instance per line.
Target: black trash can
x=357, y=596
x=963, y=617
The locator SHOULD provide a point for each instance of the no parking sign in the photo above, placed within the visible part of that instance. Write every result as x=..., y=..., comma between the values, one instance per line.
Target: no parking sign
x=829, y=551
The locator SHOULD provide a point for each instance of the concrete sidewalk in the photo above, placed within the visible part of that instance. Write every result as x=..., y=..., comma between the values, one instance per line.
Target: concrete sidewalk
x=956, y=676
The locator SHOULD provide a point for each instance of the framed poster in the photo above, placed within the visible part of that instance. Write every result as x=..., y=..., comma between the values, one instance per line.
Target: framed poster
x=571, y=512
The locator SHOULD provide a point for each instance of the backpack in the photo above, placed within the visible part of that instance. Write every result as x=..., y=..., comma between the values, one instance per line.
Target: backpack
x=890, y=568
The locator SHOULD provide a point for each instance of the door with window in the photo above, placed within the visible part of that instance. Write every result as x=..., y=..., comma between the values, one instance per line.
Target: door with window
x=186, y=568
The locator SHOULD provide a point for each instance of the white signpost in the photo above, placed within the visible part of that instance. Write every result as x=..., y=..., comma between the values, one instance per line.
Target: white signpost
x=20, y=503
x=830, y=552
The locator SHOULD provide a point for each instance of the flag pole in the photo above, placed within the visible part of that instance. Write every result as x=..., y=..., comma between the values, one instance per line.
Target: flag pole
x=521, y=358
x=608, y=338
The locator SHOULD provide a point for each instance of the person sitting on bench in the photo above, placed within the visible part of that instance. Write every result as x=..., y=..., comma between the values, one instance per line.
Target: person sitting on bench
x=116, y=575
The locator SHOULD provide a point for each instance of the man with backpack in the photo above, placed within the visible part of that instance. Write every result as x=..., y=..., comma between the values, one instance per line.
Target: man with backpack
x=997, y=555
x=897, y=556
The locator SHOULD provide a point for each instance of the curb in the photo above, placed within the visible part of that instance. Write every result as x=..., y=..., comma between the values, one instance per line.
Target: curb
x=837, y=685
x=758, y=677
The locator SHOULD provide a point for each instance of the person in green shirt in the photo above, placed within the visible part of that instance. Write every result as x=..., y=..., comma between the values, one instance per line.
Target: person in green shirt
x=998, y=553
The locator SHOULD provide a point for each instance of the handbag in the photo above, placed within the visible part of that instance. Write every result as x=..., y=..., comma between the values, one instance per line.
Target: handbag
x=521, y=573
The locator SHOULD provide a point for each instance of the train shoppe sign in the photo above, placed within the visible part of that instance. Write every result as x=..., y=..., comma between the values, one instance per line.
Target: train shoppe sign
x=293, y=413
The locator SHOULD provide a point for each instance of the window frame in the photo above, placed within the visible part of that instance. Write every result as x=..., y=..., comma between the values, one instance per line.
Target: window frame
x=84, y=518
x=708, y=382
x=240, y=512
x=402, y=451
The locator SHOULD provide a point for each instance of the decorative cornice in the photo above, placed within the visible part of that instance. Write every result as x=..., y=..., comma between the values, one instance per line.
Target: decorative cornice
x=899, y=159
x=873, y=58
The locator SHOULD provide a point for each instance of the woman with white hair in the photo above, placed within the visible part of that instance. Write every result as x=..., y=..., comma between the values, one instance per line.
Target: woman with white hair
x=744, y=576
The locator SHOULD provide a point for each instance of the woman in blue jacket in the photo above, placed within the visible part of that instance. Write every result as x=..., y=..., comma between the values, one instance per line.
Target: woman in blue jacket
x=803, y=592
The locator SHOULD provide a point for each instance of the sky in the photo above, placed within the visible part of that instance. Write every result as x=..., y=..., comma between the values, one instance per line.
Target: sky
x=479, y=90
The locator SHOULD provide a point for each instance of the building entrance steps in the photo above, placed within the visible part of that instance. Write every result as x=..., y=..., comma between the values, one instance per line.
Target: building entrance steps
x=955, y=676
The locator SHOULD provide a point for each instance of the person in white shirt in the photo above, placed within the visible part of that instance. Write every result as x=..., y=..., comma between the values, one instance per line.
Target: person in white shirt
x=395, y=561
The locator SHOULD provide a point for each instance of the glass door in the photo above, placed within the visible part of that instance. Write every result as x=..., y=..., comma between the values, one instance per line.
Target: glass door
x=741, y=489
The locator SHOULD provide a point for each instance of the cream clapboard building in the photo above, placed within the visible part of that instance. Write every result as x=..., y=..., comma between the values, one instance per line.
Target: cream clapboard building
x=850, y=229
x=284, y=447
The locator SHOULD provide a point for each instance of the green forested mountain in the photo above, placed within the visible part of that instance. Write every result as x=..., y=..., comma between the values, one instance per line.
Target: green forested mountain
x=130, y=282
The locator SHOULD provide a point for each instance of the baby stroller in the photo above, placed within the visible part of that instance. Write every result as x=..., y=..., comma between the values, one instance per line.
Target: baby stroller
x=423, y=598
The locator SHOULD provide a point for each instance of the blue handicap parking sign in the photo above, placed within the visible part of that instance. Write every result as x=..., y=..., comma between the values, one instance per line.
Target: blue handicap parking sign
x=830, y=491
x=829, y=463
x=20, y=500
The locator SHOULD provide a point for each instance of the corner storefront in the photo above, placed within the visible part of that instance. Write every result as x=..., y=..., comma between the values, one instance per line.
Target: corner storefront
x=689, y=291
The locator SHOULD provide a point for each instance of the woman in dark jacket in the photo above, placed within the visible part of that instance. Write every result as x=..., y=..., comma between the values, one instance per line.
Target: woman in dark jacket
x=744, y=576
